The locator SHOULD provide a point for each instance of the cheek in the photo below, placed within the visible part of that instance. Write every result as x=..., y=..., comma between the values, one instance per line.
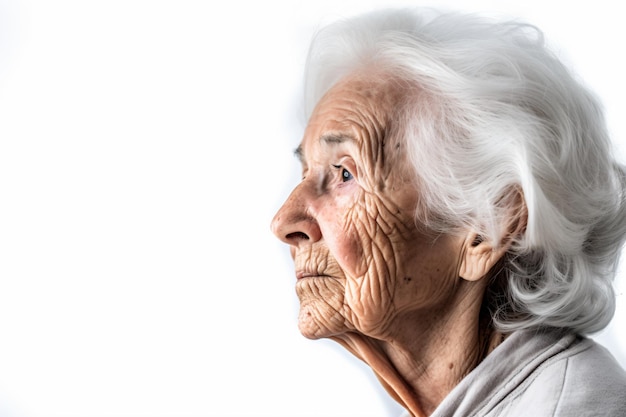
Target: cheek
x=345, y=239
x=350, y=256
x=429, y=278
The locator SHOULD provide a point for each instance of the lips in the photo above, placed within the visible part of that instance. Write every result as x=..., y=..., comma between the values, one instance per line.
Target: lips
x=310, y=274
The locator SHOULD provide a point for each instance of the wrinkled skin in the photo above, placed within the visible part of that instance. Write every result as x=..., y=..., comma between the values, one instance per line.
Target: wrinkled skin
x=367, y=275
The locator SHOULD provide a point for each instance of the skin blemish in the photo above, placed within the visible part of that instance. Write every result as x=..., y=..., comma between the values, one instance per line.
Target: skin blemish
x=407, y=279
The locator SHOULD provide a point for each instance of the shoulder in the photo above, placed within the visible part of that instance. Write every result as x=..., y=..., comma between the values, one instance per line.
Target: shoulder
x=541, y=373
x=582, y=380
x=593, y=381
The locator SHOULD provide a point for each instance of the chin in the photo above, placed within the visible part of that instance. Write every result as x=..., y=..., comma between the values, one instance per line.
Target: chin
x=314, y=324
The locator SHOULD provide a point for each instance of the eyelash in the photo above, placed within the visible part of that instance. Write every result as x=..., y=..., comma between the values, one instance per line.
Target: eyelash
x=345, y=174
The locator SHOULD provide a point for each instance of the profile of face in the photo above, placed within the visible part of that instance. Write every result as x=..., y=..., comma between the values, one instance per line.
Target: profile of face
x=361, y=261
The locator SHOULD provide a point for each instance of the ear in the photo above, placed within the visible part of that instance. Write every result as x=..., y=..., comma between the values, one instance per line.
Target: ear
x=480, y=255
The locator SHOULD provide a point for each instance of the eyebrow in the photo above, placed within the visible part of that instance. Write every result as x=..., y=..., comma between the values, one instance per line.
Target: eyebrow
x=328, y=139
x=333, y=138
x=299, y=153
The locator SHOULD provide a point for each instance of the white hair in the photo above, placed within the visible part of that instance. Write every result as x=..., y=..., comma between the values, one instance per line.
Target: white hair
x=490, y=111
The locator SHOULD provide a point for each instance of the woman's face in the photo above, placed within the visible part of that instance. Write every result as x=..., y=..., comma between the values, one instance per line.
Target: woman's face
x=361, y=261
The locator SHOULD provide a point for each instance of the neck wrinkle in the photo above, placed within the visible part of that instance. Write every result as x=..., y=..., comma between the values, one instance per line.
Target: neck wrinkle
x=392, y=381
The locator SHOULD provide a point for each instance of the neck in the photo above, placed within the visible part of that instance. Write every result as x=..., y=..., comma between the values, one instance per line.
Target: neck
x=420, y=362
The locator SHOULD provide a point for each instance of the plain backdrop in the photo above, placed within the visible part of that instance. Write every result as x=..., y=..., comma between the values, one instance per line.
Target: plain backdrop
x=144, y=148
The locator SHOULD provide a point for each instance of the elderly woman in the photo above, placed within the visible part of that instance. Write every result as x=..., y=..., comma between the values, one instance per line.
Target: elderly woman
x=460, y=217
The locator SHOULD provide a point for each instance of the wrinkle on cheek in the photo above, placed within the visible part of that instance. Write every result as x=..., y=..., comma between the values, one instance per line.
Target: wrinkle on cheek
x=370, y=298
x=369, y=294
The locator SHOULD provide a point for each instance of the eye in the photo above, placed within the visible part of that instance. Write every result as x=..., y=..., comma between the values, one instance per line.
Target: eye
x=345, y=174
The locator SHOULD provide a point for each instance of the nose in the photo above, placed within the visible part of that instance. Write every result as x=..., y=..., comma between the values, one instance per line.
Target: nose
x=294, y=222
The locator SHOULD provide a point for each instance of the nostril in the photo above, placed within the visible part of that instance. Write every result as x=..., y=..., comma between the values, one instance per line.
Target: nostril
x=297, y=236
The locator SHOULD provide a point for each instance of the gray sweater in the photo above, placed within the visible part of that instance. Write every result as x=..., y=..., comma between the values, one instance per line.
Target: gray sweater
x=539, y=374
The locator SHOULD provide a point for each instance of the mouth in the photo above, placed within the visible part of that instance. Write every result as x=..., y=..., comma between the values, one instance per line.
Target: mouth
x=308, y=274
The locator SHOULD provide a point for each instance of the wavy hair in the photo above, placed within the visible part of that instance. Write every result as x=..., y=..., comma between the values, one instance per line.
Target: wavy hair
x=491, y=111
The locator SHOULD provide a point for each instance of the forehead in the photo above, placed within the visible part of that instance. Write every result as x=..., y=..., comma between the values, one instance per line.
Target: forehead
x=355, y=112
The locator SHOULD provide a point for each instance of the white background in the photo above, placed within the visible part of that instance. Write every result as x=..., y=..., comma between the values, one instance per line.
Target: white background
x=144, y=148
